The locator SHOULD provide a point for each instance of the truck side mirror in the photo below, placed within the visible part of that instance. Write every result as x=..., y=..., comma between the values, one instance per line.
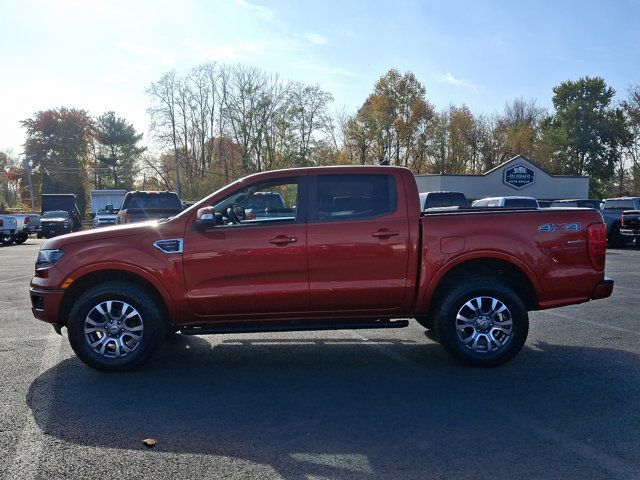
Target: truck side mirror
x=205, y=218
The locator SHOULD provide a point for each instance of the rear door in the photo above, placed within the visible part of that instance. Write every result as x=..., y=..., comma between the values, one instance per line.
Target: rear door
x=358, y=242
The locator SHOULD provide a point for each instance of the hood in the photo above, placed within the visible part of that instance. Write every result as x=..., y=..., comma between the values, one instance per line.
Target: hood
x=99, y=234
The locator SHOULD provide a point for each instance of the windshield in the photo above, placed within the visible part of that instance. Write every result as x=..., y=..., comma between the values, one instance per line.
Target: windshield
x=56, y=214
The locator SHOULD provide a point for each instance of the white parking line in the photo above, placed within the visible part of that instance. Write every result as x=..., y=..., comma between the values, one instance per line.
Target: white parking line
x=589, y=322
x=26, y=461
x=12, y=279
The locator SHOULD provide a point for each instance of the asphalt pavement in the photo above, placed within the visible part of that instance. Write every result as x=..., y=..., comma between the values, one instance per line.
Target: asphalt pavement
x=378, y=404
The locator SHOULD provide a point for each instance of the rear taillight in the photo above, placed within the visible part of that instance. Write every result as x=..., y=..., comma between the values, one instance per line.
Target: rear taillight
x=27, y=220
x=1, y=222
x=622, y=221
x=597, y=245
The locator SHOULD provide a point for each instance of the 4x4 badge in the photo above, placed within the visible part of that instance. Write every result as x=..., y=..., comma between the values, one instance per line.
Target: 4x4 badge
x=560, y=227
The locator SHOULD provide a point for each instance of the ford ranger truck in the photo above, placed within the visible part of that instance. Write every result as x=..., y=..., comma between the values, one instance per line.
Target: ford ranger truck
x=355, y=252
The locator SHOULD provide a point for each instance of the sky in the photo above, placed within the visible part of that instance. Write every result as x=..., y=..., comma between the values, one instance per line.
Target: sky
x=101, y=55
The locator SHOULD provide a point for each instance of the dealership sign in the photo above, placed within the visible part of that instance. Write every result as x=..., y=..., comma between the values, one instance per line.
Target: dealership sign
x=519, y=176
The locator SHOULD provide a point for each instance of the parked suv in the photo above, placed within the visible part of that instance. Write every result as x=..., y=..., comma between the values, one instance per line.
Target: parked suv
x=140, y=206
x=612, y=214
x=442, y=199
x=54, y=223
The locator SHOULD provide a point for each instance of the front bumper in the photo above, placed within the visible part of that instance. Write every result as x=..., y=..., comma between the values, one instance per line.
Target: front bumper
x=603, y=289
x=630, y=232
x=45, y=304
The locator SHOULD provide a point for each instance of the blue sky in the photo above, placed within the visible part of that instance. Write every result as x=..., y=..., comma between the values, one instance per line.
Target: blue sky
x=101, y=55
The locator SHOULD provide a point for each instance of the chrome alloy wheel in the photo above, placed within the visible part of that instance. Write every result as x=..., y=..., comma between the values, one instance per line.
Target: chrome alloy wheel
x=113, y=329
x=484, y=324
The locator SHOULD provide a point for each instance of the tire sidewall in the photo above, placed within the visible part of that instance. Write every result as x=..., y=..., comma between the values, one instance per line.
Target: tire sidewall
x=138, y=298
x=445, y=321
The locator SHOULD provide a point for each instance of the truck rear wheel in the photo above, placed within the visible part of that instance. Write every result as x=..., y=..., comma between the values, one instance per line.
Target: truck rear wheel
x=115, y=327
x=21, y=238
x=482, y=322
x=615, y=239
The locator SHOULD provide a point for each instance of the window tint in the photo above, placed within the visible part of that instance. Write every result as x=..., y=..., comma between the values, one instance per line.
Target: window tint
x=520, y=203
x=619, y=204
x=265, y=201
x=564, y=204
x=343, y=197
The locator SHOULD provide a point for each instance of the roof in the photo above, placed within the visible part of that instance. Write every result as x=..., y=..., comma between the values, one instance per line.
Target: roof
x=517, y=158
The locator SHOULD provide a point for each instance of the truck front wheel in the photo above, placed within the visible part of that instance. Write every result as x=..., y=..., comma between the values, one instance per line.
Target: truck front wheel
x=482, y=322
x=115, y=326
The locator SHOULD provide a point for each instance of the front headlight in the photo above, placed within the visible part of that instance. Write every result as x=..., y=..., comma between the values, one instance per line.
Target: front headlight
x=46, y=258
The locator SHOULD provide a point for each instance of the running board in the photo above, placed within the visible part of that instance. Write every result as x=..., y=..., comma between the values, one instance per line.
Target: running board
x=292, y=327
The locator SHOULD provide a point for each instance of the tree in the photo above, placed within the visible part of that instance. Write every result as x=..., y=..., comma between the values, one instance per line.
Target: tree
x=117, y=154
x=631, y=107
x=58, y=146
x=589, y=133
x=394, y=116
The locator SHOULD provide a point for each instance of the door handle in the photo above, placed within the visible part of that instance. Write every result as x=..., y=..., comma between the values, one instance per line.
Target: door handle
x=283, y=240
x=384, y=233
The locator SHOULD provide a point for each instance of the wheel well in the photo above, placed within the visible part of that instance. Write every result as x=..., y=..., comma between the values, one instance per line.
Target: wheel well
x=80, y=285
x=506, y=272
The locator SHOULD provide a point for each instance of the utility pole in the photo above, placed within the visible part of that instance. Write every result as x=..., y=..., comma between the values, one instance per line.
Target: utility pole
x=27, y=168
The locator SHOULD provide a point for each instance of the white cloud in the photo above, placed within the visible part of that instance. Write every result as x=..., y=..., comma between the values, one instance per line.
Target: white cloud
x=456, y=82
x=259, y=10
x=164, y=56
x=315, y=38
x=323, y=69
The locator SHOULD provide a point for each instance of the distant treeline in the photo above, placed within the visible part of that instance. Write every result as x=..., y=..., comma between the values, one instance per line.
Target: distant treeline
x=219, y=122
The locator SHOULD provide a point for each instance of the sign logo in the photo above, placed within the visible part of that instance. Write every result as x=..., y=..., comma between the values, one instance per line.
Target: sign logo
x=519, y=176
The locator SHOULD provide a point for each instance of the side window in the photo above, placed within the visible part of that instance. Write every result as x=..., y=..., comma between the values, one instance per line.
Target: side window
x=263, y=202
x=347, y=197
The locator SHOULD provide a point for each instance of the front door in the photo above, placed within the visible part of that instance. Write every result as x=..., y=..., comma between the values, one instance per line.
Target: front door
x=257, y=265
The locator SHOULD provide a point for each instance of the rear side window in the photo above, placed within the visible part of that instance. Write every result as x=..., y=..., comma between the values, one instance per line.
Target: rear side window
x=346, y=197
x=444, y=199
x=144, y=200
x=619, y=205
x=564, y=204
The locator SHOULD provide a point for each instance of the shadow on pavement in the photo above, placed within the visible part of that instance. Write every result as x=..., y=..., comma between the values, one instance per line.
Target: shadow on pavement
x=351, y=409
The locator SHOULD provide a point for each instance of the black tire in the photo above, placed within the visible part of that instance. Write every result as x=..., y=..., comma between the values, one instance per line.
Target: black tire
x=615, y=238
x=21, y=238
x=451, y=332
x=120, y=293
x=38, y=236
x=6, y=240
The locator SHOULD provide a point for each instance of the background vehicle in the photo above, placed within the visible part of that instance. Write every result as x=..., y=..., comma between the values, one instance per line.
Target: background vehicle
x=506, y=202
x=140, y=206
x=105, y=205
x=63, y=201
x=442, y=199
x=27, y=224
x=581, y=203
x=630, y=226
x=8, y=227
x=54, y=223
x=355, y=252
x=612, y=214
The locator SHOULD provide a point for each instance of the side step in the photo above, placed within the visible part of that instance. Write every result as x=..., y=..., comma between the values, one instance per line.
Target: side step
x=292, y=327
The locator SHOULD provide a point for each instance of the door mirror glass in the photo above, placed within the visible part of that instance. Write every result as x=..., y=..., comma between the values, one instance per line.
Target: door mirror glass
x=205, y=218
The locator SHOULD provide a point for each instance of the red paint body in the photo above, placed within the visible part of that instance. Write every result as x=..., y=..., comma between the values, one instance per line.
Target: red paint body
x=387, y=266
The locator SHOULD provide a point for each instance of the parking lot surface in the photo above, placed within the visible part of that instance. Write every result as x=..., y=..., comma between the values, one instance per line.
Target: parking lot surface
x=379, y=404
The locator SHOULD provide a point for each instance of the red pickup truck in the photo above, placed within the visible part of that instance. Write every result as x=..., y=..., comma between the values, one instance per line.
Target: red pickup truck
x=351, y=250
